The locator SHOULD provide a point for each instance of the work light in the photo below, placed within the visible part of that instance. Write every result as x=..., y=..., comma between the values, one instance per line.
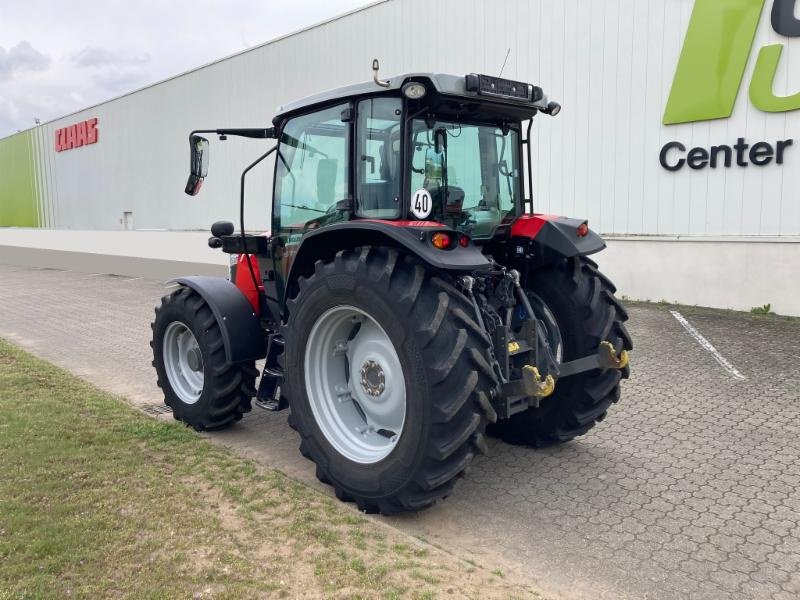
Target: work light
x=414, y=90
x=553, y=108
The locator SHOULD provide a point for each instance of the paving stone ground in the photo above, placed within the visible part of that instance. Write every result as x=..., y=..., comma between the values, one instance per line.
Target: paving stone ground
x=689, y=489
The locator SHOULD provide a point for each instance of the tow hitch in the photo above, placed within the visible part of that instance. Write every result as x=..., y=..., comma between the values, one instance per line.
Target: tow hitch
x=522, y=357
x=534, y=387
x=531, y=387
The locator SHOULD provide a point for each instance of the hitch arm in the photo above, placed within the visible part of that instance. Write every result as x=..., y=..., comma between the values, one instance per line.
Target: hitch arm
x=606, y=358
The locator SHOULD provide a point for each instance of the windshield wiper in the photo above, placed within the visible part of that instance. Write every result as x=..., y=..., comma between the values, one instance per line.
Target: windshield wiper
x=301, y=207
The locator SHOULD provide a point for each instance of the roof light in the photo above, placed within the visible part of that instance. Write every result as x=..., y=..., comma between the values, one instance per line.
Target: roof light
x=414, y=90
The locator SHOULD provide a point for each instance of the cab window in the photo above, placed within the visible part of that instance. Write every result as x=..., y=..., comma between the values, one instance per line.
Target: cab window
x=311, y=175
x=469, y=171
x=378, y=158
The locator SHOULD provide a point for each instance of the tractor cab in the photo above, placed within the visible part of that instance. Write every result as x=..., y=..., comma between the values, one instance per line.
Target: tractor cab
x=429, y=148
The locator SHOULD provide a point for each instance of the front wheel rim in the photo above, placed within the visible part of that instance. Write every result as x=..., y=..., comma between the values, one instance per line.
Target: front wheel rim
x=183, y=362
x=355, y=384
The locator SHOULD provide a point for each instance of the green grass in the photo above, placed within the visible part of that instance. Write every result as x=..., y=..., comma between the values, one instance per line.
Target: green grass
x=766, y=309
x=98, y=500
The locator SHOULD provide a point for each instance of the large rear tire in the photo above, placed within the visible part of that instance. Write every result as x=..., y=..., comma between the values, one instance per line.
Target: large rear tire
x=580, y=300
x=387, y=379
x=202, y=388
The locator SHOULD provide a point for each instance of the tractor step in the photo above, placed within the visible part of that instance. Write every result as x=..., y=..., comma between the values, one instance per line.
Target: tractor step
x=269, y=395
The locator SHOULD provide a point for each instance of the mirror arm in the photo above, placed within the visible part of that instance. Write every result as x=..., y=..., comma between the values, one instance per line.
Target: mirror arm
x=261, y=134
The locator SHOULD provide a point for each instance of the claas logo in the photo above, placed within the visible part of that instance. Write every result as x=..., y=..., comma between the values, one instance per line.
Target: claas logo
x=714, y=57
x=75, y=136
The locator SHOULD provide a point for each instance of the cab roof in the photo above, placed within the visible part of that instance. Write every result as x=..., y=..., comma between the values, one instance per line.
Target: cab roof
x=443, y=89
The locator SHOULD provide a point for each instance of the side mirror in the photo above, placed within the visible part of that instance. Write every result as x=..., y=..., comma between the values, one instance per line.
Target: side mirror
x=439, y=140
x=198, y=165
x=434, y=165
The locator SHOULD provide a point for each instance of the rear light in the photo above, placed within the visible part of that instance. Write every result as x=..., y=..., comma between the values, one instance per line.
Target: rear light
x=583, y=229
x=463, y=241
x=442, y=240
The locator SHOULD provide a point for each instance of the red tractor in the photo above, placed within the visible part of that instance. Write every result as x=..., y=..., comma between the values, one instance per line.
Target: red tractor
x=407, y=297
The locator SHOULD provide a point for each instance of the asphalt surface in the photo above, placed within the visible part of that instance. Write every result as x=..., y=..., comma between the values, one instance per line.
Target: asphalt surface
x=689, y=489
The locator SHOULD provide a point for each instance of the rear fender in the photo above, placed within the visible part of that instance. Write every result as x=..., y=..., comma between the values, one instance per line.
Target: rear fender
x=413, y=237
x=240, y=326
x=551, y=238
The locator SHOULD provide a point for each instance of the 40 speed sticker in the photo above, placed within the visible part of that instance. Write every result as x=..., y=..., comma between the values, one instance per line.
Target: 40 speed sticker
x=421, y=204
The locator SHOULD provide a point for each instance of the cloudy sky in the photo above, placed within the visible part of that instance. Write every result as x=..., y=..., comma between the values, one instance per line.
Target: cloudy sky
x=57, y=57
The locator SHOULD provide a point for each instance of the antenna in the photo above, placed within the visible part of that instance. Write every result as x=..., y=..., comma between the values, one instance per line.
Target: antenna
x=505, y=60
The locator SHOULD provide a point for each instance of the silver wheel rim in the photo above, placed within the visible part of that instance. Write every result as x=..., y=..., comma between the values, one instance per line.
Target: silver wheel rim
x=183, y=362
x=355, y=384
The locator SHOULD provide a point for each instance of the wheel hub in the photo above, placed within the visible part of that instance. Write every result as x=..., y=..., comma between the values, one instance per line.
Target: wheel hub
x=373, y=379
x=194, y=359
x=183, y=362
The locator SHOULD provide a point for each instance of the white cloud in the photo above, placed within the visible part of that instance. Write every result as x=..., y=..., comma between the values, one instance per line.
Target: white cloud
x=14, y=113
x=22, y=57
x=9, y=112
x=95, y=56
x=61, y=59
x=118, y=80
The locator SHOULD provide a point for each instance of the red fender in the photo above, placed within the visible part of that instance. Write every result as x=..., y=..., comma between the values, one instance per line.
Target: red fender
x=529, y=225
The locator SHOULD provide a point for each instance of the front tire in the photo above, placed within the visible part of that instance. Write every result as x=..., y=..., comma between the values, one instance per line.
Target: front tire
x=414, y=395
x=580, y=300
x=202, y=388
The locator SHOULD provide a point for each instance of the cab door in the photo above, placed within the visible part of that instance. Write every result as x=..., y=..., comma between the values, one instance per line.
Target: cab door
x=312, y=177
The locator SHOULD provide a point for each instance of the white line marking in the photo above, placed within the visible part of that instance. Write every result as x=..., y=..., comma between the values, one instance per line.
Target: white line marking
x=724, y=362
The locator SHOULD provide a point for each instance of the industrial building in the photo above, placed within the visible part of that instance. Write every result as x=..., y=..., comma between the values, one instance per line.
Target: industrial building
x=676, y=139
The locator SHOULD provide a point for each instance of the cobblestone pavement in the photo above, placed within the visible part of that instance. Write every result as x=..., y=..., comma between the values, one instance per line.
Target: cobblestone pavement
x=689, y=489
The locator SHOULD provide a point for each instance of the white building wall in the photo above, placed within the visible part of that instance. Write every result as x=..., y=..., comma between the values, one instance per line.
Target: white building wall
x=609, y=62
